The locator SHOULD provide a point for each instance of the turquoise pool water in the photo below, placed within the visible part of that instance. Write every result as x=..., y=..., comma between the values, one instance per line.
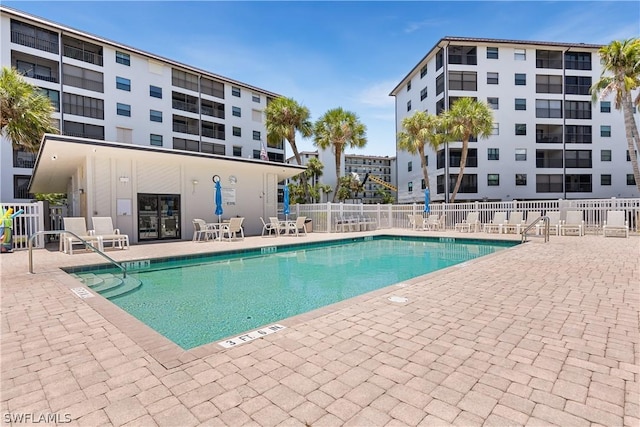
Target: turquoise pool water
x=197, y=301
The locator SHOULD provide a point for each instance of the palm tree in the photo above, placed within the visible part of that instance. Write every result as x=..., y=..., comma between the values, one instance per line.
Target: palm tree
x=339, y=129
x=285, y=117
x=421, y=129
x=25, y=114
x=620, y=75
x=466, y=118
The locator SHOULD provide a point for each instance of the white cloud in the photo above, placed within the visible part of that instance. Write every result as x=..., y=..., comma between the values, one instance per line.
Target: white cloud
x=415, y=26
x=377, y=94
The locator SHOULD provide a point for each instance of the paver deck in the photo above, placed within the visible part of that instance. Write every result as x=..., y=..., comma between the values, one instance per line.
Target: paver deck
x=538, y=334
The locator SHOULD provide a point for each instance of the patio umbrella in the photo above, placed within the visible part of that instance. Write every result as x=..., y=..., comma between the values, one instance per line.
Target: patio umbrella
x=218, y=197
x=426, y=200
x=285, y=200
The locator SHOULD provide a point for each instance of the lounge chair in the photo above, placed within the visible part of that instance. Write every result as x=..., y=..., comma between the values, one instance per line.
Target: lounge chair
x=554, y=223
x=573, y=224
x=616, y=224
x=515, y=223
x=103, y=227
x=270, y=228
x=78, y=226
x=472, y=223
x=497, y=223
x=296, y=227
x=419, y=222
x=201, y=232
x=531, y=217
x=434, y=222
x=232, y=228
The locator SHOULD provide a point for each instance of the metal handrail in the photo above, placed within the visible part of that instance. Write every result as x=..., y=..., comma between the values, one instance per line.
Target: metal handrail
x=543, y=218
x=87, y=245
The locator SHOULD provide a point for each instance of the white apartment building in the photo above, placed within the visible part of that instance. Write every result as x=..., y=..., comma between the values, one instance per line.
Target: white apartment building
x=549, y=140
x=105, y=90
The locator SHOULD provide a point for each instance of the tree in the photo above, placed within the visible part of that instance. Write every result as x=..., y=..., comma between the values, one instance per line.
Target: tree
x=421, y=129
x=285, y=117
x=25, y=114
x=348, y=187
x=339, y=129
x=621, y=75
x=466, y=118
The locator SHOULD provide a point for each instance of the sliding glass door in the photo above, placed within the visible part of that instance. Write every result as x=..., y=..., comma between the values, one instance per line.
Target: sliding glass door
x=158, y=216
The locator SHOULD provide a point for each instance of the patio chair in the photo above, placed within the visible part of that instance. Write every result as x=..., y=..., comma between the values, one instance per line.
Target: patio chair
x=103, y=227
x=419, y=222
x=497, y=223
x=616, y=224
x=232, y=228
x=434, y=222
x=270, y=228
x=201, y=232
x=296, y=227
x=472, y=223
x=531, y=217
x=554, y=223
x=78, y=226
x=573, y=224
x=515, y=222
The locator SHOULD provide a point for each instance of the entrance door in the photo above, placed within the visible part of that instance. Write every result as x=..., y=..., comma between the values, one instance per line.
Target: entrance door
x=158, y=216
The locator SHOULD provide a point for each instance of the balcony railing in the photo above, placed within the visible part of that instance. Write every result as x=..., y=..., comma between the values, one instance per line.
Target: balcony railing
x=184, y=106
x=82, y=55
x=182, y=128
x=34, y=42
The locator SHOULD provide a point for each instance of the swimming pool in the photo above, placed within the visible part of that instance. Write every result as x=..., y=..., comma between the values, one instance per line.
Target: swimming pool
x=194, y=301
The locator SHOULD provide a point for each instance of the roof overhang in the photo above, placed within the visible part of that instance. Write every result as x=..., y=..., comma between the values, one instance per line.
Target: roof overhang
x=60, y=157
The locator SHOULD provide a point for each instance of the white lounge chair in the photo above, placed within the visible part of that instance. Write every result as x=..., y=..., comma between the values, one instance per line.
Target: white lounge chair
x=554, y=223
x=472, y=223
x=296, y=227
x=270, y=228
x=232, y=228
x=78, y=226
x=531, y=217
x=573, y=224
x=201, y=232
x=434, y=222
x=515, y=223
x=497, y=223
x=419, y=222
x=616, y=224
x=103, y=227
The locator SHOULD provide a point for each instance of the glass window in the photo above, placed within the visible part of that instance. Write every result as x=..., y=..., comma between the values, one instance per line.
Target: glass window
x=236, y=111
x=520, y=79
x=492, y=78
x=236, y=131
x=493, y=103
x=577, y=109
x=549, y=183
x=123, y=58
x=577, y=60
x=521, y=128
x=493, y=179
x=493, y=154
x=439, y=59
x=423, y=71
x=123, y=84
x=235, y=91
x=630, y=179
x=463, y=80
x=410, y=186
x=155, y=140
x=21, y=186
x=492, y=53
x=463, y=55
x=255, y=98
x=521, y=154
x=548, y=108
x=605, y=131
x=423, y=93
x=155, y=92
x=237, y=151
x=256, y=135
x=548, y=84
x=495, y=129
x=409, y=166
x=123, y=109
x=549, y=59
x=577, y=85
x=578, y=134
x=520, y=54
x=409, y=105
x=521, y=104
x=605, y=155
x=155, y=116
x=605, y=106
x=521, y=179
x=408, y=85
x=605, y=179
x=439, y=84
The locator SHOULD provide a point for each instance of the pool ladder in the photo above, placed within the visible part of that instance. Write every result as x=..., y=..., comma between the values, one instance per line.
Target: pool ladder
x=545, y=220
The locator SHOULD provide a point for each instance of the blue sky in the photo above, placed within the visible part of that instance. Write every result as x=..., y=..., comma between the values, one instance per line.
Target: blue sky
x=331, y=54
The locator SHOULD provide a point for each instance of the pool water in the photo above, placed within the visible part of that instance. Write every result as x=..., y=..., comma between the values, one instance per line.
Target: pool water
x=212, y=299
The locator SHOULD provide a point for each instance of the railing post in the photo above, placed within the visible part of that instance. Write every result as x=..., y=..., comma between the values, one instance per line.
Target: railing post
x=41, y=214
x=329, y=221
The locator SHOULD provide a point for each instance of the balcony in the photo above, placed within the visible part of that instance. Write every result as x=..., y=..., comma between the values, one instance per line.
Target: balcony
x=82, y=55
x=34, y=42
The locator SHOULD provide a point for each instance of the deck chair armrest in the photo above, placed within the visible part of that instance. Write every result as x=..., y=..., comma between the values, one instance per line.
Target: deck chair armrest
x=116, y=231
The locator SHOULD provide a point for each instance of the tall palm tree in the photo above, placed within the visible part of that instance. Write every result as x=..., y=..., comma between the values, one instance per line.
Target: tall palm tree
x=285, y=117
x=620, y=75
x=421, y=129
x=25, y=113
x=464, y=119
x=339, y=129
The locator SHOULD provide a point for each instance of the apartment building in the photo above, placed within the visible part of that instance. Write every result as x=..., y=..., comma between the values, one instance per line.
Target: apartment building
x=549, y=139
x=105, y=90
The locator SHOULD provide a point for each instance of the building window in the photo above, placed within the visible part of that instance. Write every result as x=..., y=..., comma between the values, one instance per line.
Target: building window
x=237, y=151
x=155, y=116
x=605, y=106
x=255, y=98
x=549, y=59
x=236, y=111
x=605, y=179
x=492, y=78
x=35, y=37
x=492, y=53
x=493, y=103
x=495, y=129
x=439, y=59
x=577, y=109
x=521, y=179
x=236, y=131
x=410, y=186
x=463, y=80
x=123, y=109
x=520, y=79
x=578, y=158
x=577, y=134
x=408, y=85
x=409, y=105
x=521, y=154
x=605, y=155
x=423, y=71
x=630, y=179
x=155, y=92
x=493, y=179
x=256, y=135
x=465, y=55
x=423, y=93
x=235, y=91
x=605, y=131
x=184, y=80
x=521, y=128
x=576, y=85
x=23, y=159
x=548, y=84
x=520, y=54
x=439, y=84
x=155, y=140
x=549, y=108
x=123, y=58
x=21, y=186
x=578, y=183
x=493, y=154
x=123, y=84
x=82, y=106
x=521, y=104
x=409, y=166
x=549, y=183
x=577, y=60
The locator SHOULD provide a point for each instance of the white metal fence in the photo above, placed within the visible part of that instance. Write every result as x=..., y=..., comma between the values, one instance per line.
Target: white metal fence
x=31, y=220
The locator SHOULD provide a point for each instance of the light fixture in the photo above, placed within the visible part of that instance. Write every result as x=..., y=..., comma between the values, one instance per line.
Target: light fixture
x=195, y=182
x=54, y=157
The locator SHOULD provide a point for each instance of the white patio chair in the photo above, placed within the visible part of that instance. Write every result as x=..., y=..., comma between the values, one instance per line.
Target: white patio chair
x=554, y=223
x=269, y=228
x=472, y=223
x=616, y=224
x=78, y=226
x=573, y=224
x=515, y=222
x=103, y=227
x=232, y=228
x=419, y=222
x=296, y=227
x=497, y=223
x=201, y=232
x=434, y=222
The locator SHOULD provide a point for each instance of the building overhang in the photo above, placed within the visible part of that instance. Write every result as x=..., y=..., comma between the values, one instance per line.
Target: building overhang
x=60, y=157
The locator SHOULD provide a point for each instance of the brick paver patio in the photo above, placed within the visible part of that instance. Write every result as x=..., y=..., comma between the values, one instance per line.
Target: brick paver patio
x=538, y=334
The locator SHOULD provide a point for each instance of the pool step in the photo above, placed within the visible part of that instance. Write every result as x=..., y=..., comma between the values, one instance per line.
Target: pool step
x=89, y=279
x=109, y=285
x=130, y=284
